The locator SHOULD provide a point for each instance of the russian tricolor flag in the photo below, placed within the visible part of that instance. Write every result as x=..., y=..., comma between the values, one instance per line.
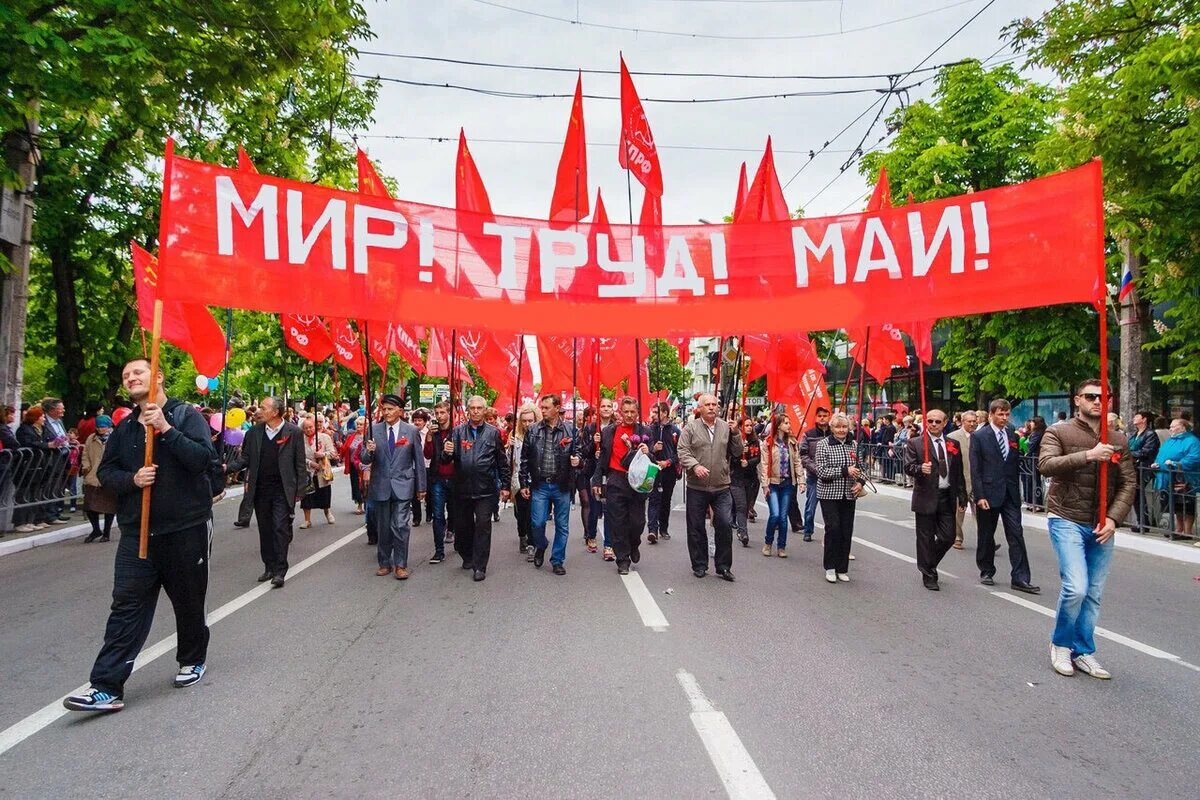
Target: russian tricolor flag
x=1126, y=285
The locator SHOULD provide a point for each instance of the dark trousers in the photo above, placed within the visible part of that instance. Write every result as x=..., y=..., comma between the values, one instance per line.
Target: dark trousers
x=795, y=514
x=416, y=510
x=626, y=509
x=177, y=563
x=935, y=534
x=659, y=504
x=245, y=509
x=985, y=554
x=698, y=504
x=94, y=518
x=274, y=514
x=522, y=507
x=473, y=530
x=839, y=531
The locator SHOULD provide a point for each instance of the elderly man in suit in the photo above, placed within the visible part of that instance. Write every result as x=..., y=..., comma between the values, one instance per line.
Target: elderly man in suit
x=935, y=463
x=276, y=471
x=962, y=437
x=397, y=463
x=995, y=485
x=480, y=469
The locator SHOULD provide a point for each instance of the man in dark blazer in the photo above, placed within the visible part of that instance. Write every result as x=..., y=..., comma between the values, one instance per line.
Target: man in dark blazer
x=397, y=463
x=995, y=485
x=935, y=463
x=276, y=472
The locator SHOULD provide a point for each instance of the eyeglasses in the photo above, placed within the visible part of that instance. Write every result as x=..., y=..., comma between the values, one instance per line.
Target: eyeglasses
x=1091, y=397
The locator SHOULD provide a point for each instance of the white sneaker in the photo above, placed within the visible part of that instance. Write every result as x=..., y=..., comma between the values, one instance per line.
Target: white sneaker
x=852, y=557
x=831, y=576
x=843, y=577
x=1060, y=659
x=37, y=526
x=26, y=528
x=1090, y=666
x=329, y=517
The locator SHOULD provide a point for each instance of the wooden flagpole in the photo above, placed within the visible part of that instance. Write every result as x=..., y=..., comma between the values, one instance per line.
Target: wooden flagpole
x=155, y=339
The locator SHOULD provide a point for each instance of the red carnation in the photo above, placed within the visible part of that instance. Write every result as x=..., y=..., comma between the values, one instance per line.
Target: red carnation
x=565, y=442
x=283, y=440
x=403, y=440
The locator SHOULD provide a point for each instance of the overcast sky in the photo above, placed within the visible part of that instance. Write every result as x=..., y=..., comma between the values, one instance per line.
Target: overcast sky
x=699, y=183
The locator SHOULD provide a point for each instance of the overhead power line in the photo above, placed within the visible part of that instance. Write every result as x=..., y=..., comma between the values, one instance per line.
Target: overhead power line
x=671, y=100
x=595, y=71
x=733, y=37
x=453, y=139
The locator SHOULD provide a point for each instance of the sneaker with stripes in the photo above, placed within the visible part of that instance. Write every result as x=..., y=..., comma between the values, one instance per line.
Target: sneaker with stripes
x=188, y=675
x=93, y=700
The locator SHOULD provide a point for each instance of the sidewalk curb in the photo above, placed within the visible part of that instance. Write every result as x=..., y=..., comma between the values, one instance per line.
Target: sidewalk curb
x=1125, y=541
x=72, y=532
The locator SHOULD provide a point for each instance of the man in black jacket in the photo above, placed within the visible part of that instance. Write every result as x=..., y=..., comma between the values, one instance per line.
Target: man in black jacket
x=995, y=478
x=480, y=466
x=273, y=454
x=808, y=457
x=935, y=463
x=180, y=536
x=664, y=441
x=589, y=453
x=626, y=507
x=549, y=457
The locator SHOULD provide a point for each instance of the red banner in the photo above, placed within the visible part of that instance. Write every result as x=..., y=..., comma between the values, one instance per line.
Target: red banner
x=343, y=254
x=188, y=326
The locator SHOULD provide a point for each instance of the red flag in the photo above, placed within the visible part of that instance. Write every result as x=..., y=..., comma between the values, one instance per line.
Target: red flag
x=764, y=200
x=347, y=348
x=637, y=152
x=404, y=342
x=469, y=192
x=616, y=360
x=881, y=197
x=244, y=162
x=188, y=326
x=307, y=336
x=493, y=363
x=379, y=342
x=813, y=395
x=682, y=347
x=570, y=200
x=369, y=181
x=650, y=228
x=884, y=350
x=555, y=361
x=743, y=191
x=921, y=334
x=789, y=358
x=437, y=358
x=757, y=348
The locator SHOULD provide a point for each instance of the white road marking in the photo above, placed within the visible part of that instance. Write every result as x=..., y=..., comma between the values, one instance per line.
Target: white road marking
x=652, y=616
x=1145, y=649
x=13, y=735
x=883, y=549
x=734, y=765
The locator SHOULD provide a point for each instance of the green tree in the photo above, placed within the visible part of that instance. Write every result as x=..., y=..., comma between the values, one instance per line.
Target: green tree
x=1132, y=98
x=982, y=129
x=665, y=371
x=108, y=81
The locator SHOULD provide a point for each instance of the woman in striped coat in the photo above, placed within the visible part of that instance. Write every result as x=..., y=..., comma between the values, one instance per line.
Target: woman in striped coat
x=838, y=487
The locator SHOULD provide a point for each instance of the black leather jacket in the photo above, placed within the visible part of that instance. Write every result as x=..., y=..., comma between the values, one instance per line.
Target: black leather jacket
x=480, y=463
x=565, y=443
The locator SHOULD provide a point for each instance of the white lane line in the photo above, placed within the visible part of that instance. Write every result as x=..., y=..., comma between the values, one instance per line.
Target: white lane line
x=13, y=735
x=1134, y=644
x=734, y=765
x=652, y=616
x=883, y=549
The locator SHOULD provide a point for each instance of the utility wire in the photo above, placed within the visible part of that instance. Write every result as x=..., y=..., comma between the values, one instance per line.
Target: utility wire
x=595, y=71
x=453, y=139
x=734, y=37
x=670, y=100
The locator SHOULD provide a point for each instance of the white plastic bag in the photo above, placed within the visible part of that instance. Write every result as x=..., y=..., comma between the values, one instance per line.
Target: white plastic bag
x=642, y=472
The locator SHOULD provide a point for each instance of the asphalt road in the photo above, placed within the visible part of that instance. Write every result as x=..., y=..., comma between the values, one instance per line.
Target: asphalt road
x=342, y=684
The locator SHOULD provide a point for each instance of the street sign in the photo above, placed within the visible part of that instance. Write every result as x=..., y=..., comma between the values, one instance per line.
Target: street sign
x=756, y=401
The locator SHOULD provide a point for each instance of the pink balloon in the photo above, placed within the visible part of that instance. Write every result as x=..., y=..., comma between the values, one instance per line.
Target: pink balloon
x=120, y=413
x=214, y=422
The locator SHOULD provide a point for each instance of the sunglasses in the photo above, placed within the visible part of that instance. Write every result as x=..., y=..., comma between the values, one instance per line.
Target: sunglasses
x=1091, y=397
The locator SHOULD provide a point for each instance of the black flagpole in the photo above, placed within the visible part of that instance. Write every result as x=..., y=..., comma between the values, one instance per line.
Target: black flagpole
x=520, y=364
x=365, y=335
x=453, y=369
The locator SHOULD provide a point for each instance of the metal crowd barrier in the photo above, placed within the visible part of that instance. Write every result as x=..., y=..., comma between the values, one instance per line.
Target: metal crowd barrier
x=1170, y=513
x=34, y=483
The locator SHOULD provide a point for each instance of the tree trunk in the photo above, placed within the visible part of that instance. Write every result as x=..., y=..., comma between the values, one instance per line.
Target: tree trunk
x=66, y=329
x=1134, y=316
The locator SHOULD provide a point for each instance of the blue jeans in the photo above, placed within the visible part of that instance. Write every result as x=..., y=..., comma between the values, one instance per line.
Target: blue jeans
x=439, y=488
x=810, y=504
x=1083, y=565
x=778, y=500
x=542, y=498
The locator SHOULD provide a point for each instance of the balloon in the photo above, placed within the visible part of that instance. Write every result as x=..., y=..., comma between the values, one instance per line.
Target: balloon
x=214, y=422
x=120, y=413
x=204, y=390
x=214, y=384
x=235, y=417
x=234, y=436
x=201, y=383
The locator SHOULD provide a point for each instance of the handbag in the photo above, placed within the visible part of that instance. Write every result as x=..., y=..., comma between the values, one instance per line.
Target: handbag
x=311, y=486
